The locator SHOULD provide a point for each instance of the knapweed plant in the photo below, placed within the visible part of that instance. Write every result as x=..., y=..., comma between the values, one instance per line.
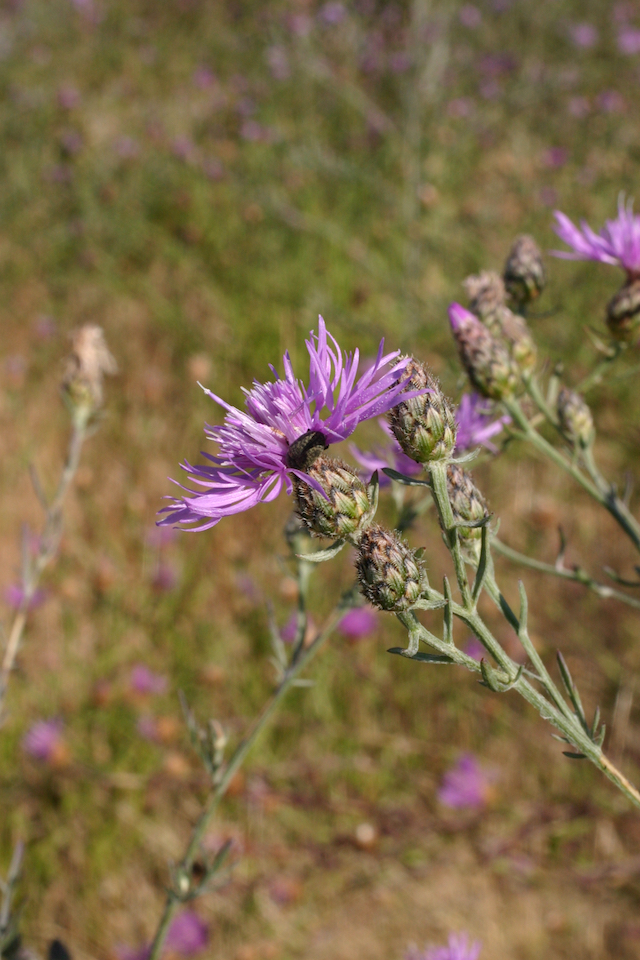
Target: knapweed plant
x=281, y=441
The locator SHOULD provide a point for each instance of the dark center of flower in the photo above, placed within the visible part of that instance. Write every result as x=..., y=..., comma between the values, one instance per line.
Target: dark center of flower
x=305, y=450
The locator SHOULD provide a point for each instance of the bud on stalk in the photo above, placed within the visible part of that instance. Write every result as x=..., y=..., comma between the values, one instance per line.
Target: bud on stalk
x=467, y=503
x=623, y=312
x=487, y=362
x=391, y=577
x=488, y=299
x=575, y=418
x=424, y=426
x=524, y=274
x=345, y=512
x=89, y=361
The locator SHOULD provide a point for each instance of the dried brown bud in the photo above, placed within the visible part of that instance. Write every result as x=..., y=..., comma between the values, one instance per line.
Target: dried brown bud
x=575, y=418
x=623, y=312
x=524, y=274
x=90, y=359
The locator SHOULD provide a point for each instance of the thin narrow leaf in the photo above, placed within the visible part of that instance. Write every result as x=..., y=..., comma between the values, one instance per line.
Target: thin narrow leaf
x=421, y=657
x=401, y=478
x=321, y=555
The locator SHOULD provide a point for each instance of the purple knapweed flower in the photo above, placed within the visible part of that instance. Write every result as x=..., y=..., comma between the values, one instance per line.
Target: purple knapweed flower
x=476, y=424
x=188, y=934
x=473, y=648
x=253, y=464
x=458, y=948
x=470, y=16
x=583, y=35
x=358, y=623
x=629, y=40
x=390, y=455
x=15, y=597
x=465, y=785
x=44, y=742
x=618, y=242
x=144, y=681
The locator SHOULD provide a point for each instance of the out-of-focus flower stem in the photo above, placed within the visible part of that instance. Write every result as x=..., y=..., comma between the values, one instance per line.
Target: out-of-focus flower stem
x=438, y=482
x=595, y=484
x=302, y=658
x=576, y=574
x=599, y=371
x=48, y=546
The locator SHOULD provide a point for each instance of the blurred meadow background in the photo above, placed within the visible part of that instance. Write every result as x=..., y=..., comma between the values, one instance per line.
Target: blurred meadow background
x=202, y=178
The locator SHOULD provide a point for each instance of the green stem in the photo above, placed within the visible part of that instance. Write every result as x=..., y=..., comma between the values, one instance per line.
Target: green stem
x=596, y=375
x=577, y=574
x=438, y=482
x=606, y=497
x=305, y=655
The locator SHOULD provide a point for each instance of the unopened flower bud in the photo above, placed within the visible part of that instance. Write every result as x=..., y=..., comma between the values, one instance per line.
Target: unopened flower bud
x=487, y=295
x=467, y=503
x=623, y=312
x=390, y=575
x=89, y=361
x=424, y=426
x=524, y=274
x=575, y=418
x=347, y=509
x=486, y=360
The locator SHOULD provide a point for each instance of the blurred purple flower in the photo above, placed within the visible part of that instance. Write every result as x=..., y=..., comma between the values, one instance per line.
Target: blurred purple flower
x=400, y=61
x=473, y=648
x=44, y=741
x=60, y=173
x=465, y=785
x=253, y=131
x=289, y=632
x=583, y=35
x=165, y=577
x=145, y=681
x=380, y=457
x=458, y=948
x=44, y=327
x=213, y=168
x=161, y=536
x=332, y=13
x=460, y=107
x=497, y=64
x=278, y=63
x=629, y=40
x=610, y=101
x=147, y=727
x=578, y=107
x=300, y=24
x=470, y=16
x=15, y=596
x=358, y=623
x=126, y=147
x=71, y=142
x=617, y=243
x=476, y=423
x=188, y=934
x=490, y=89
x=203, y=78
x=253, y=464
x=548, y=196
x=68, y=96
x=555, y=157
x=183, y=148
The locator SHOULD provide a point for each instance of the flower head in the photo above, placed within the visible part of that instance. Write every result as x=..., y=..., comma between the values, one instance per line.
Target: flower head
x=458, y=948
x=263, y=447
x=465, y=785
x=358, y=623
x=44, y=741
x=144, y=681
x=618, y=242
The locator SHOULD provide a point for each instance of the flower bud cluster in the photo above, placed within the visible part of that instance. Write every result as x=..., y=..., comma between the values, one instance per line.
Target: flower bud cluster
x=424, y=426
x=467, y=503
x=524, y=274
x=575, y=418
x=391, y=576
x=488, y=363
x=488, y=297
